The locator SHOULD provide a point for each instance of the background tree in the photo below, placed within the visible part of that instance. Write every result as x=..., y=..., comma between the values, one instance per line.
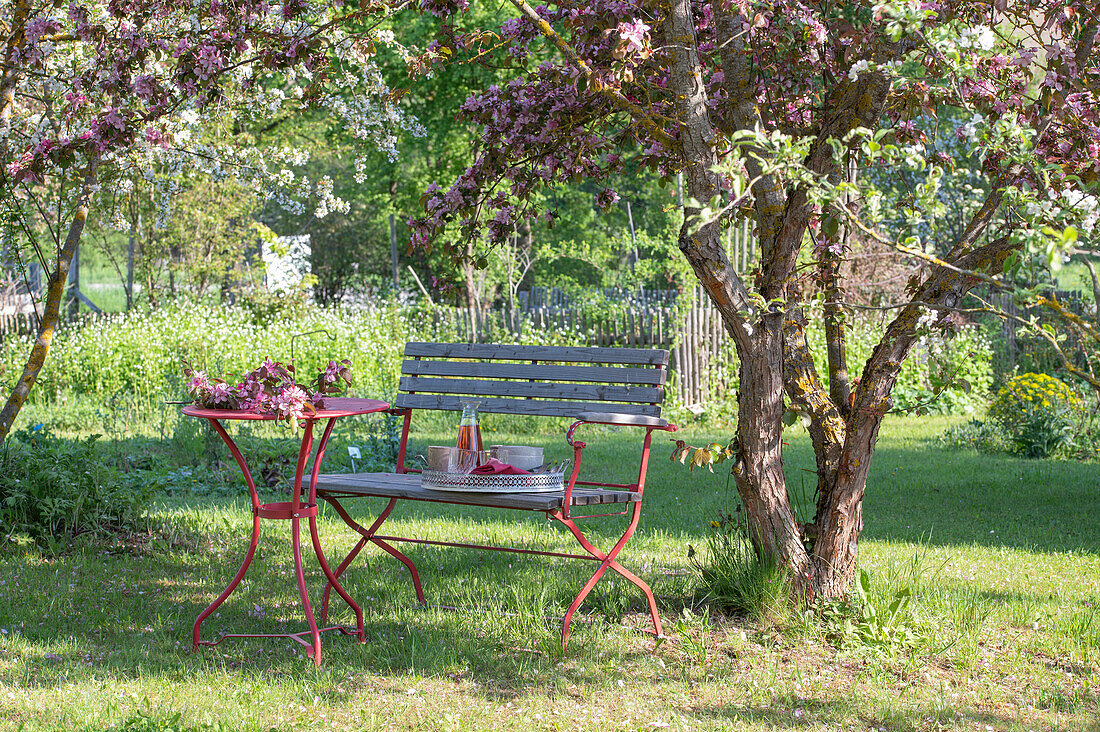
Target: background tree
x=209, y=244
x=584, y=244
x=102, y=93
x=779, y=111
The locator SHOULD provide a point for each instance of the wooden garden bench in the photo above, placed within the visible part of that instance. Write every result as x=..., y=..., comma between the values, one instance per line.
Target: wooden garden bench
x=612, y=386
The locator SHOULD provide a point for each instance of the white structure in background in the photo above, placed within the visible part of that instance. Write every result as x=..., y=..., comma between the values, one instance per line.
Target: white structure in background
x=286, y=261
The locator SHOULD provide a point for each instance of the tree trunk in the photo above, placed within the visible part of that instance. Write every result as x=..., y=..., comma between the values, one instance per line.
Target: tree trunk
x=51, y=313
x=768, y=327
x=759, y=467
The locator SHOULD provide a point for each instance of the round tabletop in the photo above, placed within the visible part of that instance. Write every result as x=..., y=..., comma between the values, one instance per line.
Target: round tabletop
x=334, y=407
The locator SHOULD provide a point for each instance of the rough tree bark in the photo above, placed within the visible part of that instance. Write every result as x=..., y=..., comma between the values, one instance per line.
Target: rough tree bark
x=776, y=365
x=51, y=312
x=759, y=469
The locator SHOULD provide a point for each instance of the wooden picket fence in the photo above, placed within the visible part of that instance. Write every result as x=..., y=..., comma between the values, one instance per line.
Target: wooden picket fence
x=16, y=309
x=1074, y=302
x=701, y=359
x=555, y=298
x=15, y=324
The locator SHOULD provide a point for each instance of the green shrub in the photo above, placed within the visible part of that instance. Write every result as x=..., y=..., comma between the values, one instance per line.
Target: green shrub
x=1044, y=431
x=976, y=434
x=1025, y=394
x=1087, y=440
x=52, y=488
x=1039, y=413
x=943, y=375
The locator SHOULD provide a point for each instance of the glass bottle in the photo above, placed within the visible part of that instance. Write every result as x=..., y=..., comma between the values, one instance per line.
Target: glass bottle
x=469, y=430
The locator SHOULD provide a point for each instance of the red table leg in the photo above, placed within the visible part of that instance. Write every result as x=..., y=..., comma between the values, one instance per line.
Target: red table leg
x=332, y=577
x=294, y=511
x=195, y=642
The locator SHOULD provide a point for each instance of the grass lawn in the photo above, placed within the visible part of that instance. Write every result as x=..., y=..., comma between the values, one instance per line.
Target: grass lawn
x=1001, y=558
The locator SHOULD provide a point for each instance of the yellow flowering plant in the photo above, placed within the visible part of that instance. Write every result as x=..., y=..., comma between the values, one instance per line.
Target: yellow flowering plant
x=1028, y=393
x=1039, y=413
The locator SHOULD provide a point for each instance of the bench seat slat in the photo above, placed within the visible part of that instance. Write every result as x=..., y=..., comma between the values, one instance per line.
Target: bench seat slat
x=536, y=407
x=542, y=372
x=534, y=389
x=569, y=354
x=407, y=485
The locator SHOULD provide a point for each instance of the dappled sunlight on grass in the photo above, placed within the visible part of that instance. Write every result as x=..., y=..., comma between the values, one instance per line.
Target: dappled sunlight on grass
x=1003, y=633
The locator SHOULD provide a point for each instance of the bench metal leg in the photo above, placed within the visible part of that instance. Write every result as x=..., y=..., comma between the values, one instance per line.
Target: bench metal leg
x=606, y=561
x=369, y=537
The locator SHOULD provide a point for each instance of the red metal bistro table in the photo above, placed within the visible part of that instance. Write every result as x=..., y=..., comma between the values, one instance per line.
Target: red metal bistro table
x=294, y=511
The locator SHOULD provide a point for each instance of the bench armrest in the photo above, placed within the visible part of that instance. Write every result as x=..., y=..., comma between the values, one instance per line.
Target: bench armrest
x=617, y=418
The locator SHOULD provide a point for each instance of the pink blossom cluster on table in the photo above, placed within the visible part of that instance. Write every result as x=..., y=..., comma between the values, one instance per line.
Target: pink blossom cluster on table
x=271, y=389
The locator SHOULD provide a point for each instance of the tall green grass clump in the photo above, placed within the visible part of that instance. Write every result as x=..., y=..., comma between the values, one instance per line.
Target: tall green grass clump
x=1081, y=631
x=51, y=489
x=737, y=579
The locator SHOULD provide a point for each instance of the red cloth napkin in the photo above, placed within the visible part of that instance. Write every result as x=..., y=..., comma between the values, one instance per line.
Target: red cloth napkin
x=496, y=467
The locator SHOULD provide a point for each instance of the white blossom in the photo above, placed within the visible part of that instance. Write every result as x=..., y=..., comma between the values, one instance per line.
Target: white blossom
x=857, y=68
x=979, y=37
x=970, y=129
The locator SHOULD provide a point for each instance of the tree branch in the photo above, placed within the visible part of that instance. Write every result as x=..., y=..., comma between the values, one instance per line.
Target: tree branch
x=701, y=244
x=644, y=118
x=51, y=311
x=803, y=387
x=768, y=195
x=1049, y=337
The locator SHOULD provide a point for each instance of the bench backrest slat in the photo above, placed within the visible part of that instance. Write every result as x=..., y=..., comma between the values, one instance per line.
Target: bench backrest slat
x=535, y=389
x=538, y=407
x=548, y=381
x=563, y=354
x=542, y=372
